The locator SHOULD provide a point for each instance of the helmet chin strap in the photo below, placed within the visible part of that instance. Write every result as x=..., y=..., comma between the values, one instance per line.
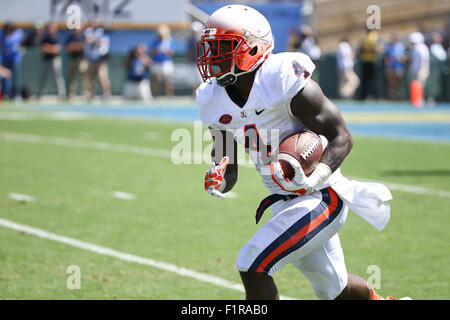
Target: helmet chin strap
x=230, y=77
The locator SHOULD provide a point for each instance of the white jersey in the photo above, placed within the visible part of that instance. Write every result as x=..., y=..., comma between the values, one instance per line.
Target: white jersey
x=268, y=115
x=267, y=111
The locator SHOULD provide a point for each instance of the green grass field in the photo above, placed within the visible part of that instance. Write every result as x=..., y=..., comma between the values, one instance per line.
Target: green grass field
x=173, y=220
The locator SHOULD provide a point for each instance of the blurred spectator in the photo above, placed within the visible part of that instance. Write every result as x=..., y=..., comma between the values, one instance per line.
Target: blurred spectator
x=74, y=49
x=293, y=39
x=368, y=54
x=161, y=52
x=10, y=41
x=420, y=58
x=34, y=38
x=137, y=84
x=348, y=80
x=95, y=51
x=438, y=69
x=51, y=60
x=4, y=74
x=191, y=55
x=394, y=60
x=308, y=44
x=436, y=48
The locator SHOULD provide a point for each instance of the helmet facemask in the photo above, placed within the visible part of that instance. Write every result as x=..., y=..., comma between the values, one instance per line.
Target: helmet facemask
x=216, y=58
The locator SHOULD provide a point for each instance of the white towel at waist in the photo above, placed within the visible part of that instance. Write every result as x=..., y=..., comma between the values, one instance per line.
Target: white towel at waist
x=368, y=199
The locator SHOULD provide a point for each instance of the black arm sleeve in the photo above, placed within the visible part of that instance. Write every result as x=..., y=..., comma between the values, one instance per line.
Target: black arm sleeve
x=225, y=145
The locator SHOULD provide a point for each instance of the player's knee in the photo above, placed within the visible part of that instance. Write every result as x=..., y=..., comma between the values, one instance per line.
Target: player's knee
x=245, y=258
x=328, y=286
x=242, y=263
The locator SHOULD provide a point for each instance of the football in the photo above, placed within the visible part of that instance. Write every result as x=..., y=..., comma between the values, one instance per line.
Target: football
x=306, y=147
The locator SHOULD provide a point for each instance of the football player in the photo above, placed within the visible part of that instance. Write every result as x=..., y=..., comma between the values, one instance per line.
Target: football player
x=249, y=93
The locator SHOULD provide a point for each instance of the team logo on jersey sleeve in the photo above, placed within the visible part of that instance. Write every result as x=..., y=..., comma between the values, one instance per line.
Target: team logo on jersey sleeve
x=225, y=119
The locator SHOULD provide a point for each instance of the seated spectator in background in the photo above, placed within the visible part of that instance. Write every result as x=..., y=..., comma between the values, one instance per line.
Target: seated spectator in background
x=394, y=60
x=137, y=84
x=348, y=80
x=51, y=61
x=420, y=58
x=161, y=53
x=74, y=49
x=10, y=42
x=95, y=51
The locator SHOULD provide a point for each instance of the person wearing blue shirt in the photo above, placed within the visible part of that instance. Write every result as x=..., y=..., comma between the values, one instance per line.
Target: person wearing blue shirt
x=394, y=63
x=96, y=50
x=161, y=52
x=137, y=84
x=11, y=40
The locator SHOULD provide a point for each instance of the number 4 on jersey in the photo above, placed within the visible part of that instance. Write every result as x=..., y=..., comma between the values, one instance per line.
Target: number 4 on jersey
x=300, y=70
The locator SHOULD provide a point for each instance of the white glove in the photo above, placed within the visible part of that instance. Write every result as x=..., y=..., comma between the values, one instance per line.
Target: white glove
x=300, y=183
x=214, y=178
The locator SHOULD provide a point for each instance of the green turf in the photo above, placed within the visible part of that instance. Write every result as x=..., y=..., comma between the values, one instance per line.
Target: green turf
x=173, y=220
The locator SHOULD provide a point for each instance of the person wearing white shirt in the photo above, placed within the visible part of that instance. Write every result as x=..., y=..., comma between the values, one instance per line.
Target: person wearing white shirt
x=420, y=58
x=348, y=80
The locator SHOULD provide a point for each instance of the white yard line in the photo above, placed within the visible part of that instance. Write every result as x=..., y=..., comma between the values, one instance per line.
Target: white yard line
x=408, y=188
x=105, y=146
x=21, y=197
x=79, y=143
x=125, y=256
x=123, y=195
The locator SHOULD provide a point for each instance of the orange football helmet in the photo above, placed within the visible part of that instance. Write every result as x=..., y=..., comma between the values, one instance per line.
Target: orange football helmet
x=235, y=41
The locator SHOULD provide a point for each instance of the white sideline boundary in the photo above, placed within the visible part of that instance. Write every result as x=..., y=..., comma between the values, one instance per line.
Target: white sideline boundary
x=163, y=153
x=126, y=256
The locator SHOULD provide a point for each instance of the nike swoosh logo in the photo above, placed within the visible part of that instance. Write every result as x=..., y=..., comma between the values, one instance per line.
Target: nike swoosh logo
x=259, y=112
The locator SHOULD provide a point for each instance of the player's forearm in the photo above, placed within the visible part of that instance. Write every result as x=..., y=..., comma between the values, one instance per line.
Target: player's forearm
x=337, y=150
x=322, y=116
x=225, y=145
x=231, y=174
x=230, y=177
